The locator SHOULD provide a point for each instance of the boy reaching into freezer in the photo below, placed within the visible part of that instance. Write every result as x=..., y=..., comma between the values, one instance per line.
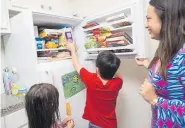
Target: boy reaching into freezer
x=102, y=88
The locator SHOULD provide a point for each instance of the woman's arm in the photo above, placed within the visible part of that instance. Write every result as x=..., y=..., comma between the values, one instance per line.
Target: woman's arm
x=143, y=62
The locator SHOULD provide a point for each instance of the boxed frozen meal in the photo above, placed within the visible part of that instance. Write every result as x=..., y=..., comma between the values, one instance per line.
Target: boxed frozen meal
x=50, y=32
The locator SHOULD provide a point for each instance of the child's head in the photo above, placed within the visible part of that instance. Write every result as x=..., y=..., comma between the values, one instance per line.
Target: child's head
x=166, y=22
x=42, y=102
x=107, y=64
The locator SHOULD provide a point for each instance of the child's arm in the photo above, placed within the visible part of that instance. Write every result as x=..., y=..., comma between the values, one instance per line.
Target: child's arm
x=86, y=76
x=118, y=75
x=76, y=64
x=119, y=80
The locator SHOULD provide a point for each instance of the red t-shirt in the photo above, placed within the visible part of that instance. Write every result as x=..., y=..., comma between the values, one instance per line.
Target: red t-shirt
x=100, y=99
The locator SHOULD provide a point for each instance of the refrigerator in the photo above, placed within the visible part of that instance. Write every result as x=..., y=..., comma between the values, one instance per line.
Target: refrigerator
x=21, y=51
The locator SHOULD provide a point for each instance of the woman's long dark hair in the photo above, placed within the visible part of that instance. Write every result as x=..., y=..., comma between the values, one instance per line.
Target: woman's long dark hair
x=172, y=34
x=42, y=104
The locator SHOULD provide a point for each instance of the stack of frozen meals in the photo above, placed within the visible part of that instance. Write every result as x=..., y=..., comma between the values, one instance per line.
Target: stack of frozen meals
x=118, y=39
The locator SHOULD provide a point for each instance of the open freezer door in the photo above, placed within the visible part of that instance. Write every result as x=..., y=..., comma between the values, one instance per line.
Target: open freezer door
x=20, y=49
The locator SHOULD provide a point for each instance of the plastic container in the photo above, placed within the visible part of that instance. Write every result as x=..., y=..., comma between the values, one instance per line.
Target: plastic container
x=7, y=81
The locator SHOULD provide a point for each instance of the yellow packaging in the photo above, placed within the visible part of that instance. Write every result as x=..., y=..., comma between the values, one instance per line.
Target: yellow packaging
x=15, y=90
x=43, y=34
x=68, y=109
x=62, y=38
x=51, y=45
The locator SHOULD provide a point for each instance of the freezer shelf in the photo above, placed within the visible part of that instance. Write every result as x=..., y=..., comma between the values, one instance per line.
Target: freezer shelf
x=125, y=28
x=126, y=55
x=55, y=49
x=131, y=46
x=49, y=59
x=128, y=19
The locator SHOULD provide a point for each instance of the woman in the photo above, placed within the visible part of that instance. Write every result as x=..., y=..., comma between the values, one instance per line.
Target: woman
x=41, y=103
x=166, y=88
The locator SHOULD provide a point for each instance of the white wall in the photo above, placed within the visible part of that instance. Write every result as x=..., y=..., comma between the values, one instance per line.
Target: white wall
x=132, y=110
x=153, y=44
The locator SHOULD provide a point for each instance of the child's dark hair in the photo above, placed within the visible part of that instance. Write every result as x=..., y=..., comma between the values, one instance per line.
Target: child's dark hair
x=42, y=102
x=108, y=64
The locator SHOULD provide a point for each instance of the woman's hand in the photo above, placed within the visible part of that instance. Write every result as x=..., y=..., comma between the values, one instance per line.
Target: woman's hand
x=148, y=92
x=142, y=62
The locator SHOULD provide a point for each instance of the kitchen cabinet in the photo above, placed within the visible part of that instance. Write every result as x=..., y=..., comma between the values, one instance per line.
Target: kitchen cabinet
x=5, y=24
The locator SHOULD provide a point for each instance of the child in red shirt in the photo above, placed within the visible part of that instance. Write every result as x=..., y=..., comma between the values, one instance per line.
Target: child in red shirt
x=102, y=89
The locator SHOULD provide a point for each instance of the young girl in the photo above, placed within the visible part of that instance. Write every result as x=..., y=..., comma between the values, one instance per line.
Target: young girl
x=42, y=107
x=166, y=88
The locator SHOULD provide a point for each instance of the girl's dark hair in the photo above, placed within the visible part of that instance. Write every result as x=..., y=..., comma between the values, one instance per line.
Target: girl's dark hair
x=172, y=34
x=42, y=106
x=108, y=63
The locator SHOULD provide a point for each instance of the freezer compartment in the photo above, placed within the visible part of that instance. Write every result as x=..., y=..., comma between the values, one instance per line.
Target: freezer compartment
x=114, y=31
x=51, y=42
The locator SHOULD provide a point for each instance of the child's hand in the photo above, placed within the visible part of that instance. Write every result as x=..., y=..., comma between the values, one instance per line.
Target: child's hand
x=66, y=120
x=71, y=46
x=70, y=124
